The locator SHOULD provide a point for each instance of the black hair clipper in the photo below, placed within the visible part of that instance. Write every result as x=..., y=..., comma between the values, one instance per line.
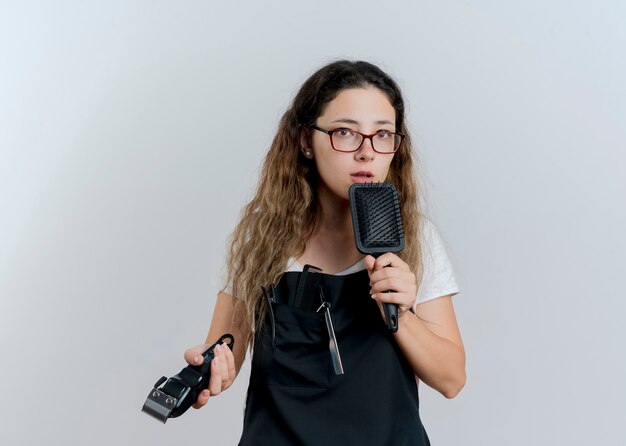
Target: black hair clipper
x=180, y=391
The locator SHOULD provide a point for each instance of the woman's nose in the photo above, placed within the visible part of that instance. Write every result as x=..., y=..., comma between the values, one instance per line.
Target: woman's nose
x=366, y=151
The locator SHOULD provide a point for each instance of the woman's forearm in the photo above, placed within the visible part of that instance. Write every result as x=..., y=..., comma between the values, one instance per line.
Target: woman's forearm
x=437, y=361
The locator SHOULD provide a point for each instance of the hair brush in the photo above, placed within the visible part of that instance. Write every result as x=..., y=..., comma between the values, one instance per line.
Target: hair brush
x=377, y=224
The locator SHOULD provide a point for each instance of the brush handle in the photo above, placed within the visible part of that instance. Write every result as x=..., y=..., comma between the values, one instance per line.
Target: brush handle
x=391, y=316
x=391, y=313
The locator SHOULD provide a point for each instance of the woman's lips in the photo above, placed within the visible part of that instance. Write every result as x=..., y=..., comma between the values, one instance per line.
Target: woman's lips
x=362, y=179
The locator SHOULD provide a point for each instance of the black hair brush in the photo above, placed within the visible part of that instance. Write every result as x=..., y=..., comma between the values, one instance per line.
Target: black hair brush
x=377, y=224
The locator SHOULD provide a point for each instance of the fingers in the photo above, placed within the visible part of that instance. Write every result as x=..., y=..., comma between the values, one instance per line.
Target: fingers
x=203, y=398
x=222, y=372
x=396, y=290
x=400, y=284
x=223, y=366
x=215, y=382
x=388, y=259
x=369, y=264
x=230, y=358
x=387, y=265
x=393, y=279
x=193, y=355
x=390, y=273
x=403, y=299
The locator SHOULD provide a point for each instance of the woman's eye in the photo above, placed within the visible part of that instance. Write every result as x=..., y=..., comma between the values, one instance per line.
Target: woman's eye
x=383, y=134
x=344, y=132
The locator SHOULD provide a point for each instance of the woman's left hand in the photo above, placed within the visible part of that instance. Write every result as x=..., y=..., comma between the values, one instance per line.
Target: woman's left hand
x=390, y=272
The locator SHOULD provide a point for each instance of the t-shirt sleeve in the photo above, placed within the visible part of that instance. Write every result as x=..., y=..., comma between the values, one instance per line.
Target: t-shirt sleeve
x=438, y=276
x=229, y=288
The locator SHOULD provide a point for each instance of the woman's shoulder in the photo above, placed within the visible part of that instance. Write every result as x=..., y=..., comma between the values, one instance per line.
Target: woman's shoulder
x=438, y=278
x=433, y=242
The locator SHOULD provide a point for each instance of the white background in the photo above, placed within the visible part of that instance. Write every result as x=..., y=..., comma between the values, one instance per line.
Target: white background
x=131, y=134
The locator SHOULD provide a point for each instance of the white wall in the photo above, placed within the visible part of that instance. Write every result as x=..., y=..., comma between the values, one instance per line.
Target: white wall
x=131, y=133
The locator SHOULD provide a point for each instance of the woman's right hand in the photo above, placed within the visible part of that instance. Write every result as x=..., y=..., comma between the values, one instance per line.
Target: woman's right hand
x=223, y=371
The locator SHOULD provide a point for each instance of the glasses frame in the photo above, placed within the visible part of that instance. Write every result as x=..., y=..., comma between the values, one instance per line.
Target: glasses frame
x=330, y=136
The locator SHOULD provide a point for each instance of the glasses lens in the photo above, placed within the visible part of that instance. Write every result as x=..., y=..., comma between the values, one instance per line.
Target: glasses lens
x=346, y=140
x=386, y=142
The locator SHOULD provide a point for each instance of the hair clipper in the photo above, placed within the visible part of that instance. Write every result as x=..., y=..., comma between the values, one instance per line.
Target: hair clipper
x=182, y=390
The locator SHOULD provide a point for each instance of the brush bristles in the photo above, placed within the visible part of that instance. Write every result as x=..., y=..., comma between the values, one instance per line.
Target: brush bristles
x=379, y=221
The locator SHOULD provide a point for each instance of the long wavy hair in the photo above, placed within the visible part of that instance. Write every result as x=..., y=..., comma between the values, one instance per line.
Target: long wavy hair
x=276, y=224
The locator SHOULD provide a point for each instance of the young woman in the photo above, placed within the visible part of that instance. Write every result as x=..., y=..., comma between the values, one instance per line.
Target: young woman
x=345, y=125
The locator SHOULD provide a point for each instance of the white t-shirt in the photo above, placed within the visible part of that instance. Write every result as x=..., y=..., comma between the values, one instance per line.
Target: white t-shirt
x=438, y=276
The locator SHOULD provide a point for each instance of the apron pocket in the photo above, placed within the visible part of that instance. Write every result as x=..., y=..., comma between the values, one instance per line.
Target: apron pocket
x=301, y=356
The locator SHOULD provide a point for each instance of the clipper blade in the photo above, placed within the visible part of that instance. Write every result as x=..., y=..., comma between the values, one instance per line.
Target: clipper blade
x=159, y=405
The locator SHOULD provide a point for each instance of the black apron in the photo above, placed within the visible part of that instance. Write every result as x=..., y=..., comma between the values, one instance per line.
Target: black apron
x=294, y=396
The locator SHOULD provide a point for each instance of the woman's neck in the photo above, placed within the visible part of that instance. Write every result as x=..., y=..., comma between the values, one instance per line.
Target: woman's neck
x=331, y=245
x=335, y=219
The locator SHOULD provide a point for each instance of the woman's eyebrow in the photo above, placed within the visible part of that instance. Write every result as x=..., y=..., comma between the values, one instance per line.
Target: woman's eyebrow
x=352, y=121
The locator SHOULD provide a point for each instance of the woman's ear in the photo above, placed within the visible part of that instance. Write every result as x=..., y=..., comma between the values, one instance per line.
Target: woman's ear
x=305, y=144
x=307, y=153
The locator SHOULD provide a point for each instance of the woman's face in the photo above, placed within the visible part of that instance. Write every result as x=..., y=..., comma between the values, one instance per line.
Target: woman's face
x=366, y=110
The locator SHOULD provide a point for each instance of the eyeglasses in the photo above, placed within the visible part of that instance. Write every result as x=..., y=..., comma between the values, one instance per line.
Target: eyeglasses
x=346, y=140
